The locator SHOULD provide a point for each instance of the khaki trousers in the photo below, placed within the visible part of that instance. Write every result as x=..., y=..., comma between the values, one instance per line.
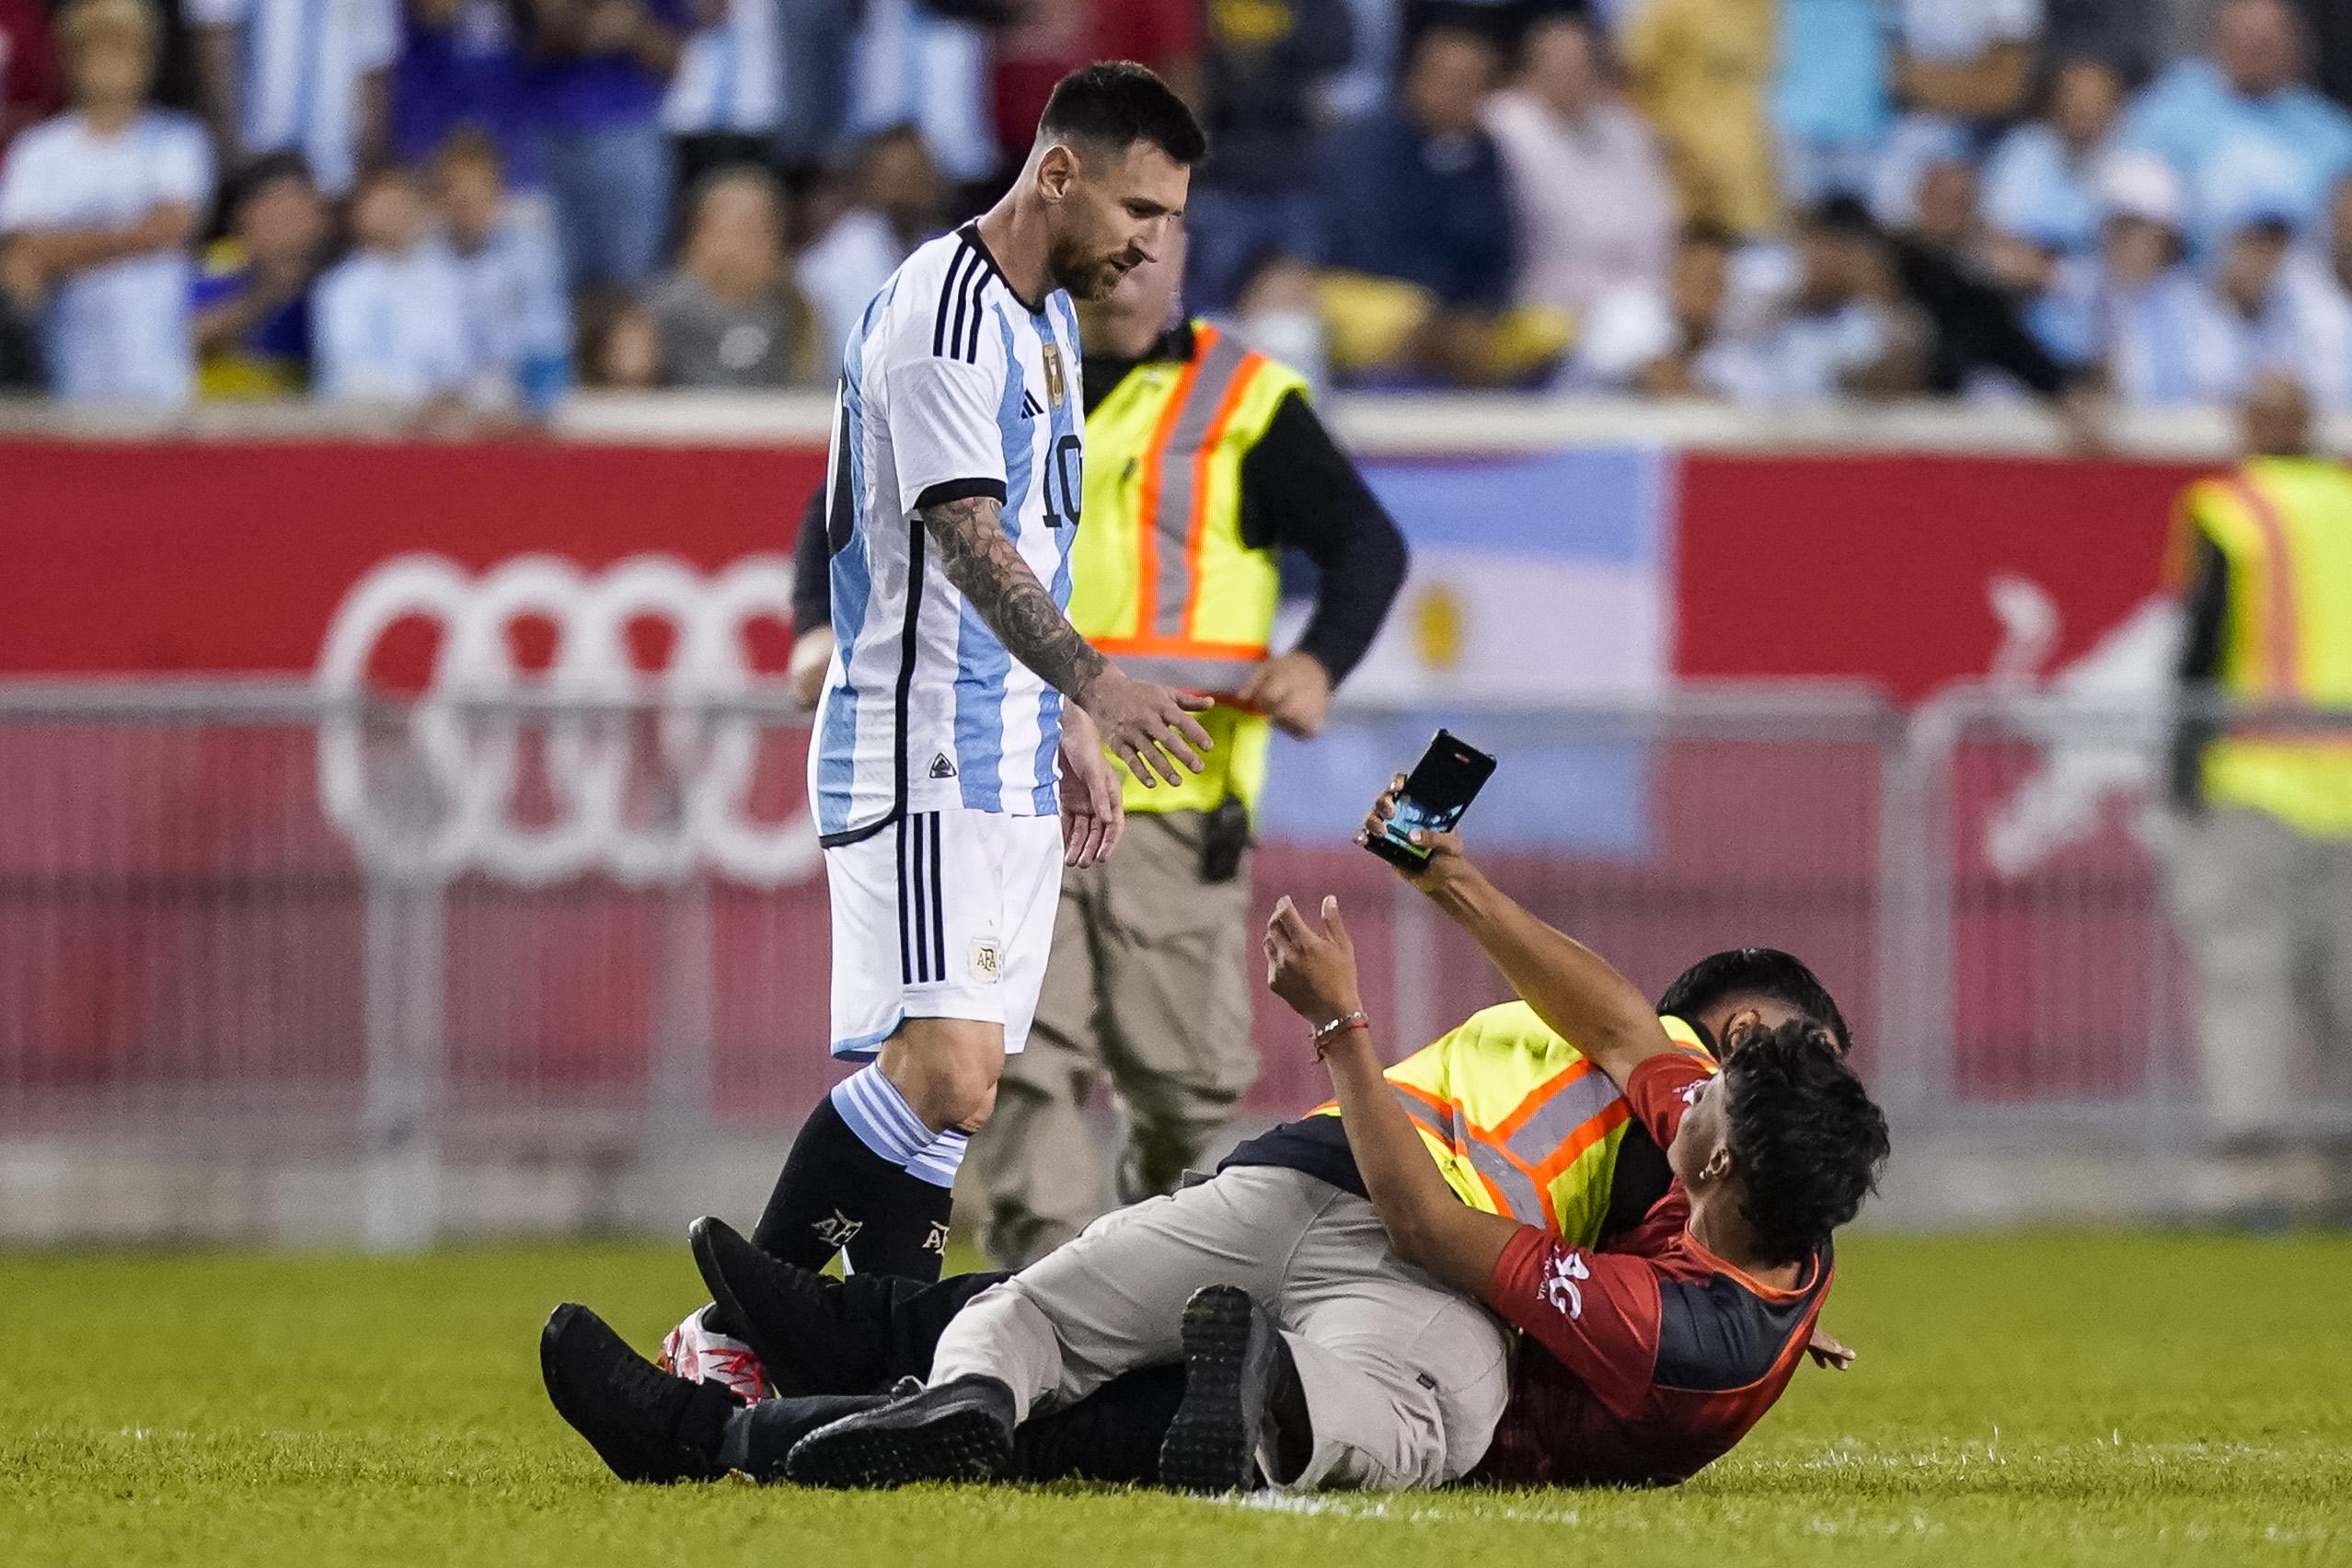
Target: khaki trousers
x=1148, y=984
x=1405, y=1379
x=2265, y=912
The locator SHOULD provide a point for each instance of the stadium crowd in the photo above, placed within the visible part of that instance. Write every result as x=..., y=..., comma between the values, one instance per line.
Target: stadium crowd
x=469, y=207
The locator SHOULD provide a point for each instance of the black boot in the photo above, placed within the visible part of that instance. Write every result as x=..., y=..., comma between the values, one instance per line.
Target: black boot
x=1238, y=1377
x=645, y=1424
x=958, y=1431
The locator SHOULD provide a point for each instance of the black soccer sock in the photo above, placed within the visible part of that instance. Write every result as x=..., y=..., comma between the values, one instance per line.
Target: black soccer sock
x=758, y=1437
x=836, y=1191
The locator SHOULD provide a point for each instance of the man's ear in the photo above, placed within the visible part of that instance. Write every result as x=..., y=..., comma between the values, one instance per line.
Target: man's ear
x=1056, y=172
x=1740, y=1021
x=1718, y=1165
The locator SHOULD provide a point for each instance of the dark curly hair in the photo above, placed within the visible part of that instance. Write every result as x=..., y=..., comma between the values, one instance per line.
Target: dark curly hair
x=1119, y=103
x=1756, y=971
x=1804, y=1135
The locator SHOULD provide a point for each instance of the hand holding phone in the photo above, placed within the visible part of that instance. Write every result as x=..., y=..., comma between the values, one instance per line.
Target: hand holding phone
x=1432, y=797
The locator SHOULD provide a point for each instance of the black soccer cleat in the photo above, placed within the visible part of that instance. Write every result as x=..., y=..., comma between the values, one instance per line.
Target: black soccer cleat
x=1235, y=1361
x=958, y=1431
x=788, y=1315
x=645, y=1424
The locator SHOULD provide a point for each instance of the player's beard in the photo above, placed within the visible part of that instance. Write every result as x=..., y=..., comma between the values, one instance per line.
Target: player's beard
x=1085, y=276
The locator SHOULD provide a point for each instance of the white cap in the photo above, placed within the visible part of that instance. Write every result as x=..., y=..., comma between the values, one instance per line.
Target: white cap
x=2141, y=185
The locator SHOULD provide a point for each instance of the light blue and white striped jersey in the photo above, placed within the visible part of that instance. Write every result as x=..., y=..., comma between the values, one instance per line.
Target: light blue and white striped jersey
x=731, y=74
x=303, y=62
x=952, y=387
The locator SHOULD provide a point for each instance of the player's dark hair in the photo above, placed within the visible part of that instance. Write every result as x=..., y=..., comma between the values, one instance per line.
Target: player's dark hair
x=1765, y=972
x=1117, y=103
x=1807, y=1140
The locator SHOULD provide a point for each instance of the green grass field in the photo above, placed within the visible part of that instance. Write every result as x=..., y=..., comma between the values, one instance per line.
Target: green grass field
x=2021, y=1400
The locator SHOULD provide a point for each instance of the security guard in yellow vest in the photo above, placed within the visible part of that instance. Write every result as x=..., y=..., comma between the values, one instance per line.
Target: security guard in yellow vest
x=2263, y=870
x=1204, y=461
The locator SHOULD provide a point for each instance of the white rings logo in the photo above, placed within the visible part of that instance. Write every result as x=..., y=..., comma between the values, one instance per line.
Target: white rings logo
x=460, y=814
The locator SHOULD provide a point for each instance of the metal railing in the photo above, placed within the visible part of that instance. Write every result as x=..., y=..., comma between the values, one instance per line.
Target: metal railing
x=387, y=948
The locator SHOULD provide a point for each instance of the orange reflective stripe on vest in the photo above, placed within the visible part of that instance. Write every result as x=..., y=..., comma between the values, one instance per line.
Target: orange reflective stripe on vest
x=2281, y=645
x=1517, y=1160
x=1174, y=485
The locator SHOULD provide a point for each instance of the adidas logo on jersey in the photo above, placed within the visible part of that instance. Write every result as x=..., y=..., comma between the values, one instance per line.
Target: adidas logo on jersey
x=1030, y=407
x=941, y=768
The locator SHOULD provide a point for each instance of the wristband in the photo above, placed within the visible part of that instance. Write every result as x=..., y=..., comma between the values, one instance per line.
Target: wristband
x=1325, y=1033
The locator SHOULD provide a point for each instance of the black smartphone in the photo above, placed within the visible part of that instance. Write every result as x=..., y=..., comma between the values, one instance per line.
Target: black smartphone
x=1436, y=793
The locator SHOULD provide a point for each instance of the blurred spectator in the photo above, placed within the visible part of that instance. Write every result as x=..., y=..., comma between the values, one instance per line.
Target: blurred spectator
x=1970, y=60
x=517, y=328
x=1963, y=68
x=389, y=321
x=1700, y=70
x=1642, y=337
x=1417, y=221
x=1831, y=97
x=911, y=66
x=899, y=202
x=597, y=69
x=1263, y=65
x=97, y=208
x=251, y=302
x=31, y=87
x=621, y=349
x=1978, y=335
x=2239, y=126
x=1831, y=318
x=1274, y=312
x=2284, y=312
x=1593, y=207
x=2041, y=198
x=728, y=313
x=2261, y=871
x=461, y=65
x=311, y=76
x=726, y=103
x=2135, y=309
x=1046, y=39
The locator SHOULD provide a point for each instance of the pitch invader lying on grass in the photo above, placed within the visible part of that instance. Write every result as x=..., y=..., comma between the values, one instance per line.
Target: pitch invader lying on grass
x=1663, y=1352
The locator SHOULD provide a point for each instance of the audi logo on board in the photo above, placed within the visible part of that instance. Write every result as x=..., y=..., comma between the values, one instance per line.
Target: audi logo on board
x=440, y=800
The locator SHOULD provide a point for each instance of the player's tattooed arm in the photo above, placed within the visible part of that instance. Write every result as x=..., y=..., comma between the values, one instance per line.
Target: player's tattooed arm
x=986, y=570
x=1148, y=727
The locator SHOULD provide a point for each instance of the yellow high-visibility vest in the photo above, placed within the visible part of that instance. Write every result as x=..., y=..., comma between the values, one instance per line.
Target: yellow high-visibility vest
x=1160, y=577
x=1521, y=1123
x=2285, y=526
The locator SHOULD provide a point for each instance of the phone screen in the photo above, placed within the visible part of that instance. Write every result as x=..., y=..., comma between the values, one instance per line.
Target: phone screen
x=1437, y=791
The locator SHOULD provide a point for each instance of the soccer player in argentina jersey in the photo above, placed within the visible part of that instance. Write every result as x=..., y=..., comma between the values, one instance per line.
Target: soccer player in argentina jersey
x=958, y=681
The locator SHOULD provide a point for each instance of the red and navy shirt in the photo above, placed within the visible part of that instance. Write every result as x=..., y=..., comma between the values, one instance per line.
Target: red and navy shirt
x=1662, y=1355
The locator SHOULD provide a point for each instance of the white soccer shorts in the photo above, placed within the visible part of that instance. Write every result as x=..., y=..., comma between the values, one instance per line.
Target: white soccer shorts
x=945, y=914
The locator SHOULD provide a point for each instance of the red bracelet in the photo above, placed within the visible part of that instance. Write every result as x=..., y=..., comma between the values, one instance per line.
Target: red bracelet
x=1327, y=1033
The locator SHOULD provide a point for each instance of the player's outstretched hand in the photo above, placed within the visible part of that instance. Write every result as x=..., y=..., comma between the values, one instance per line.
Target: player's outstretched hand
x=1826, y=1352
x=1312, y=971
x=1448, y=859
x=1092, y=813
x=1150, y=728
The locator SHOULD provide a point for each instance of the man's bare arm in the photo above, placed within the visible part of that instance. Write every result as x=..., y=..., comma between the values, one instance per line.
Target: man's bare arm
x=987, y=569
